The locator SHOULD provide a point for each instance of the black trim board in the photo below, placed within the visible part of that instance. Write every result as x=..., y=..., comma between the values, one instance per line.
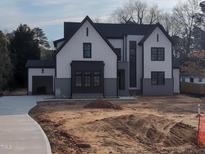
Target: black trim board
x=87, y=18
x=150, y=32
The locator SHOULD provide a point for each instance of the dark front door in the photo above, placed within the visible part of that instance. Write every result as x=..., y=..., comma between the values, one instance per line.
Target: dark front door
x=87, y=76
x=42, y=85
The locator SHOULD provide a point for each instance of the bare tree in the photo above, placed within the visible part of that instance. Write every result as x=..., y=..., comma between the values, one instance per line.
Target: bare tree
x=133, y=11
x=185, y=16
x=140, y=9
x=153, y=14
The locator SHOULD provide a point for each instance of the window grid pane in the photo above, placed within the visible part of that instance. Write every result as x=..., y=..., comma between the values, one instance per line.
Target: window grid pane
x=78, y=79
x=157, y=78
x=87, y=79
x=87, y=50
x=157, y=54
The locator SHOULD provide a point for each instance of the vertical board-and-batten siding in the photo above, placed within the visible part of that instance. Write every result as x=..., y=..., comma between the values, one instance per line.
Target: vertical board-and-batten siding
x=73, y=51
x=38, y=72
x=165, y=66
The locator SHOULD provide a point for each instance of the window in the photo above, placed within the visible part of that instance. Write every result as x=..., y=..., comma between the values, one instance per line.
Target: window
x=133, y=56
x=157, y=37
x=157, y=78
x=78, y=79
x=87, y=31
x=157, y=54
x=87, y=50
x=200, y=79
x=118, y=52
x=87, y=79
x=191, y=80
x=42, y=71
x=96, y=79
x=121, y=79
x=183, y=79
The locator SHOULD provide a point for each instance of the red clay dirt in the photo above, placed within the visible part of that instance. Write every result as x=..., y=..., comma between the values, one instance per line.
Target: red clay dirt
x=149, y=125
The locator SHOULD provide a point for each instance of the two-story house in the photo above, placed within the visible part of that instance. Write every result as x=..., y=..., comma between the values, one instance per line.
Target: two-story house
x=107, y=60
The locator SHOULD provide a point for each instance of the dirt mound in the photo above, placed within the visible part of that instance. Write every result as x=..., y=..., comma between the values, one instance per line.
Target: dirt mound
x=102, y=104
x=155, y=133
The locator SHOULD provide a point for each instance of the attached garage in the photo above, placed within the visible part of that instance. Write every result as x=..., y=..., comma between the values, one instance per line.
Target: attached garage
x=40, y=77
x=42, y=85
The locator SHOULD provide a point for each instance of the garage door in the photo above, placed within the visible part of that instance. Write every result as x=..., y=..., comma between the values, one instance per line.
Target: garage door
x=42, y=85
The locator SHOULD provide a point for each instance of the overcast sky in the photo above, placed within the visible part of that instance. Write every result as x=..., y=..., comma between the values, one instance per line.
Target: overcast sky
x=50, y=14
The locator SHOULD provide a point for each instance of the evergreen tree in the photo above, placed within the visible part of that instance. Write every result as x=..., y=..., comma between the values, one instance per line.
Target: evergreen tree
x=5, y=63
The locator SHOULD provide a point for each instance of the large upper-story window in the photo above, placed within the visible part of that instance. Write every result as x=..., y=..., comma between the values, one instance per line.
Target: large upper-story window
x=87, y=49
x=133, y=67
x=157, y=78
x=157, y=54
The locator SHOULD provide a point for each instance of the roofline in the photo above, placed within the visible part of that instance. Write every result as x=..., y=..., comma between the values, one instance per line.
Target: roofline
x=57, y=41
x=52, y=67
x=148, y=34
x=87, y=18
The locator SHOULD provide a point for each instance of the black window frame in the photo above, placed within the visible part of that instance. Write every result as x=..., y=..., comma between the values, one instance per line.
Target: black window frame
x=86, y=50
x=157, y=54
x=78, y=74
x=87, y=75
x=95, y=76
x=191, y=79
x=133, y=63
x=157, y=78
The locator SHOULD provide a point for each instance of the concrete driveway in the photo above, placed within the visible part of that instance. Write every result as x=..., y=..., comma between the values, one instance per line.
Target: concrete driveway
x=19, y=133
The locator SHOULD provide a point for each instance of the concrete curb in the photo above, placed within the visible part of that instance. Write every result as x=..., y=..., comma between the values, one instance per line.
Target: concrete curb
x=48, y=146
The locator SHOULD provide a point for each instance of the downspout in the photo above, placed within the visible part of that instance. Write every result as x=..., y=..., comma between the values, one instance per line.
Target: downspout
x=142, y=82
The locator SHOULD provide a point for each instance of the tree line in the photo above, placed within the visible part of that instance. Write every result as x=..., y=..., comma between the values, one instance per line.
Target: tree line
x=185, y=23
x=15, y=49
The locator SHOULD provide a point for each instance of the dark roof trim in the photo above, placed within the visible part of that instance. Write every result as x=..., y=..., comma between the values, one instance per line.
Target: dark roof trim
x=87, y=18
x=150, y=32
x=40, y=64
x=115, y=38
x=57, y=41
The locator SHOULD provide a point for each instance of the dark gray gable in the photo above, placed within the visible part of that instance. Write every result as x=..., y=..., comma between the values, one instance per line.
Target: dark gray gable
x=110, y=30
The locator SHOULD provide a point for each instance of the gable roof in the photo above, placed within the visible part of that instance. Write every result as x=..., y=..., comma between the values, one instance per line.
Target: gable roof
x=40, y=64
x=150, y=32
x=57, y=41
x=111, y=30
x=77, y=27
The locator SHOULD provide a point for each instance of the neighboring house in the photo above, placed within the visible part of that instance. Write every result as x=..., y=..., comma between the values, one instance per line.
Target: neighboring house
x=191, y=78
x=107, y=60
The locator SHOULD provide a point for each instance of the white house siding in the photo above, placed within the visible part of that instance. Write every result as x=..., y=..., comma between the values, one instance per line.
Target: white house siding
x=38, y=72
x=73, y=51
x=165, y=66
x=139, y=58
x=196, y=79
x=162, y=66
x=176, y=75
x=117, y=43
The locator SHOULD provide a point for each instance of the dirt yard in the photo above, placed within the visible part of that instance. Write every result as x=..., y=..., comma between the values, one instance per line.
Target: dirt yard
x=149, y=125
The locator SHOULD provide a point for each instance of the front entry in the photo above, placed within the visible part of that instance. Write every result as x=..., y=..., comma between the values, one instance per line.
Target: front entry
x=87, y=78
